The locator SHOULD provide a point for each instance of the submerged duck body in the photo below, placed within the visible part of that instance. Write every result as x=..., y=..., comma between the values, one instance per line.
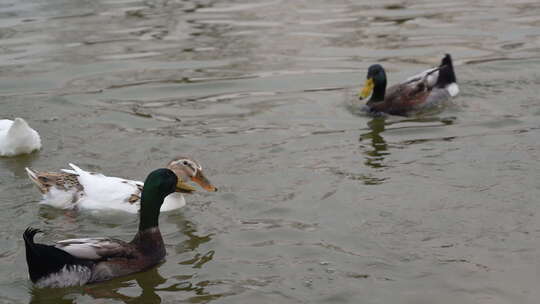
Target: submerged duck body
x=428, y=89
x=76, y=262
x=80, y=189
x=16, y=137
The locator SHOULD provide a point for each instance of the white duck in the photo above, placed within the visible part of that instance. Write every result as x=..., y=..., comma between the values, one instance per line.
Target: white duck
x=80, y=189
x=16, y=137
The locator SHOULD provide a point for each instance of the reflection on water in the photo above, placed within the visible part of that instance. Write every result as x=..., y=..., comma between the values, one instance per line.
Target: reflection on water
x=380, y=148
x=17, y=164
x=147, y=282
x=375, y=156
x=188, y=229
x=147, y=285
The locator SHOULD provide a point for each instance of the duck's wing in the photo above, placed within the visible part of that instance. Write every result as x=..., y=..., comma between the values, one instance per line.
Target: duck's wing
x=96, y=248
x=107, y=192
x=401, y=98
x=428, y=77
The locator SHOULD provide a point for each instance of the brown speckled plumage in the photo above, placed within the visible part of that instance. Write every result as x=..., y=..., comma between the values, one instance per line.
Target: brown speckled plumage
x=62, y=180
x=135, y=197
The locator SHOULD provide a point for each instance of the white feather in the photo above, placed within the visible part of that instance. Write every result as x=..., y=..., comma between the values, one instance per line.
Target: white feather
x=105, y=192
x=72, y=275
x=173, y=201
x=102, y=192
x=60, y=198
x=83, y=251
x=16, y=137
x=90, y=248
x=431, y=78
x=453, y=89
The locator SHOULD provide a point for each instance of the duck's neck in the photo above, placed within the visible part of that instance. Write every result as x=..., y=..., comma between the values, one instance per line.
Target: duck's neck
x=379, y=90
x=148, y=239
x=151, y=201
x=150, y=243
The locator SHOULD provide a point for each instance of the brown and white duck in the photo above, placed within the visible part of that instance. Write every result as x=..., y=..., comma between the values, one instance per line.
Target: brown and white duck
x=430, y=88
x=80, y=189
x=75, y=262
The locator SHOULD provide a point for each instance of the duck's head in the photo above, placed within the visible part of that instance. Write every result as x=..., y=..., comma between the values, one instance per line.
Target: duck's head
x=375, y=85
x=161, y=182
x=187, y=169
x=19, y=126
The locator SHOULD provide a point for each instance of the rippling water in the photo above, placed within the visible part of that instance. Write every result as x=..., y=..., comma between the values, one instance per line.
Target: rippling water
x=318, y=203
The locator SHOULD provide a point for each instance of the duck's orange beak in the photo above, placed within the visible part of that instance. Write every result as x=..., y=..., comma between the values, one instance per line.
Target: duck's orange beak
x=200, y=179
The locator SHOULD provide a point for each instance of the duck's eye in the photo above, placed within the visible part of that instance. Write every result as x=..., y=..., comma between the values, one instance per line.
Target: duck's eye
x=185, y=163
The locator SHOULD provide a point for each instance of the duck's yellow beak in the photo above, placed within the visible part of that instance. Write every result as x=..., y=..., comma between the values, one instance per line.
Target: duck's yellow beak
x=200, y=179
x=367, y=89
x=181, y=186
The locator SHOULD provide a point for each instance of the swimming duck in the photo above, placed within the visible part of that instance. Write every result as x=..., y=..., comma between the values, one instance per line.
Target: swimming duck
x=80, y=189
x=429, y=88
x=16, y=137
x=76, y=262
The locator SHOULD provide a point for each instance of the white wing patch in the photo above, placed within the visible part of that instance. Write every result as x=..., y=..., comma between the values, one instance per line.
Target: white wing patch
x=93, y=248
x=431, y=78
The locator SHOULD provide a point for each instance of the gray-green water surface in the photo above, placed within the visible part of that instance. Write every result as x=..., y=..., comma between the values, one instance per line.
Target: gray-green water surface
x=318, y=203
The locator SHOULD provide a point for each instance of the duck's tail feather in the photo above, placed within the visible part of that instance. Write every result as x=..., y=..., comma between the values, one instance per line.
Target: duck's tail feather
x=29, y=234
x=446, y=72
x=34, y=177
x=44, y=260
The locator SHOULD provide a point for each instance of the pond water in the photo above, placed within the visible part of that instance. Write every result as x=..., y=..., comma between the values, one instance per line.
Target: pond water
x=318, y=203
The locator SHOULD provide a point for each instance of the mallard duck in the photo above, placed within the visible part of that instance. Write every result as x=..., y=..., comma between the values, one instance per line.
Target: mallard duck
x=75, y=262
x=429, y=88
x=16, y=137
x=80, y=189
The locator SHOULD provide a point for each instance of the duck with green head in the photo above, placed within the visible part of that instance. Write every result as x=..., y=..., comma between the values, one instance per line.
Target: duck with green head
x=75, y=262
x=428, y=89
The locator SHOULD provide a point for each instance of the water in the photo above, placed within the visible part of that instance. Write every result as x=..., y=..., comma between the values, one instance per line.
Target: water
x=318, y=203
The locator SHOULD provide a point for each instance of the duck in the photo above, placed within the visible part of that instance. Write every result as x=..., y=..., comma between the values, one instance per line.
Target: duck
x=428, y=89
x=76, y=262
x=78, y=189
x=16, y=137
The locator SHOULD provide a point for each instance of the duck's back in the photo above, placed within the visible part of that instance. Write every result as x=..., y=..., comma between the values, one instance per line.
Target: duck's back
x=5, y=124
x=106, y=192
x=16, y=137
